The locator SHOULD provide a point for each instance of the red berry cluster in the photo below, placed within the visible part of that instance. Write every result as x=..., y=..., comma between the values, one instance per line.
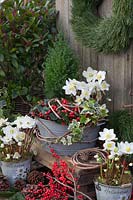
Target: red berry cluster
x=67, y=111
x=60, y=185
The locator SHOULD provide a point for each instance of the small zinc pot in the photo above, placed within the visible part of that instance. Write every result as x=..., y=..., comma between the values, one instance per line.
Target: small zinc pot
x=16, y=170
x=108, y=192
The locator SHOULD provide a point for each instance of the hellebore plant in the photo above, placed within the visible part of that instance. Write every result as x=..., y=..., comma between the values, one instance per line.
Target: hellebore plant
x=16, y=138
x=83, y=108
x=87, y=96
x=116, y=171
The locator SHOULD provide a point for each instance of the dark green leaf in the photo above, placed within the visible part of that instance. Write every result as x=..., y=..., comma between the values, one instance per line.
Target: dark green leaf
x=1, y=57
x=14, y=63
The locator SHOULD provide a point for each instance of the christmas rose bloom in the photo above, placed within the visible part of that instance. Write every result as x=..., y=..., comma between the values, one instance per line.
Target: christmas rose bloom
x=90, y=74
x=109, y=145
x=25, y=122
x=101, y=76
x=125, y=147
x=107, y=134
x=10, y=131
x=104, y=86
x=71, y=87
x=19, y=137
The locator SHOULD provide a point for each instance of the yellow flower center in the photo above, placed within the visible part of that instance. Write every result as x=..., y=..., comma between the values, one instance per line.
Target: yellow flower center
x=12, y=131
x=99, y=76
x=72, y=87
x=90, y=75
x=128, y=149
x=103, y=85
x=108, y=136
x=109, y=145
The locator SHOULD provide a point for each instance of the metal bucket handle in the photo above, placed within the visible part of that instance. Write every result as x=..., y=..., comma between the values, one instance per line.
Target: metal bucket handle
x=55, y=138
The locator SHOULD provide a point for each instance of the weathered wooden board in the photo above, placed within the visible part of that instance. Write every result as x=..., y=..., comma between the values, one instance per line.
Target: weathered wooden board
x=119, y=67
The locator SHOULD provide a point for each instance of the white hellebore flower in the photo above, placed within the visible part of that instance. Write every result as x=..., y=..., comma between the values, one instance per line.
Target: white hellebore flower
x=19, y=121
x=3, y=121
x=101, y=76
x=71, y=87
x=10, y=131
x=25, y=122
x=16, y=155
x=81, y=85
x=107, y=134
x=104, y=86
x=90, y=74
x=28, y=122
x=20, y=136
x=109, y=145
x=78, y=100
x=85, y=94
x=6, y=140
x=125, y=147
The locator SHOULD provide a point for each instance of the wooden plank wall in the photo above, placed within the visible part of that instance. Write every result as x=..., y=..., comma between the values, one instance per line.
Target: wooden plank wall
x=119, y=67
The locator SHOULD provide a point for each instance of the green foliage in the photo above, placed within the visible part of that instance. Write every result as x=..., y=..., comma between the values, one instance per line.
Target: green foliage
x=103, y=34
x=60, y=65
x=122, y=123
x=8, y=194
x=17, y=196
x=25, y=34
x=96, y=112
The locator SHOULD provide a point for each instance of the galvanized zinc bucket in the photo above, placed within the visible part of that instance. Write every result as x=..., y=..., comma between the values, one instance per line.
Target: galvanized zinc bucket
x=15, y=170
x=107, y=192
x=50, y=130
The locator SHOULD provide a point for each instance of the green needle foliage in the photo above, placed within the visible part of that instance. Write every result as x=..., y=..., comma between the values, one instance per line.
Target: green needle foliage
x=108, y=35
x=122, y=122
x=60, y=65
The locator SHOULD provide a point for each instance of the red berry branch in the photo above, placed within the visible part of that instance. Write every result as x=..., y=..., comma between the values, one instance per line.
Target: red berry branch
x=62, y=184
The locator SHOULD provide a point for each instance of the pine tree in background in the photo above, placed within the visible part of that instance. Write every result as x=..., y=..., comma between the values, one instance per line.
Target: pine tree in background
x=60, y=65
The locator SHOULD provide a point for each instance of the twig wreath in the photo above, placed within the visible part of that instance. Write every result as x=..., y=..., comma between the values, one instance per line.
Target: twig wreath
x=108, y=34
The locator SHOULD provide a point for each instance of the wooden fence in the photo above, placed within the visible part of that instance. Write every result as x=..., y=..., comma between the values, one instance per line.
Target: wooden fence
x=119, y=67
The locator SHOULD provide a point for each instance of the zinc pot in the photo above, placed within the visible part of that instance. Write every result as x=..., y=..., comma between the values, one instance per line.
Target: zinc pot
x=107, y=192
x=16, y=170
x=50, y=129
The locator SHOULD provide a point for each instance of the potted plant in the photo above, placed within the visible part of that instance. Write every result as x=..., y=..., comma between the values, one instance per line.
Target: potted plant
x=81, y=115
x=115, y=179
x=16, y=139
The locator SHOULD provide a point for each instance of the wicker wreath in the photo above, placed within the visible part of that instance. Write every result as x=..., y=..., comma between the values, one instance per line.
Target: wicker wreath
x=84, y=159
x=103, y=34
